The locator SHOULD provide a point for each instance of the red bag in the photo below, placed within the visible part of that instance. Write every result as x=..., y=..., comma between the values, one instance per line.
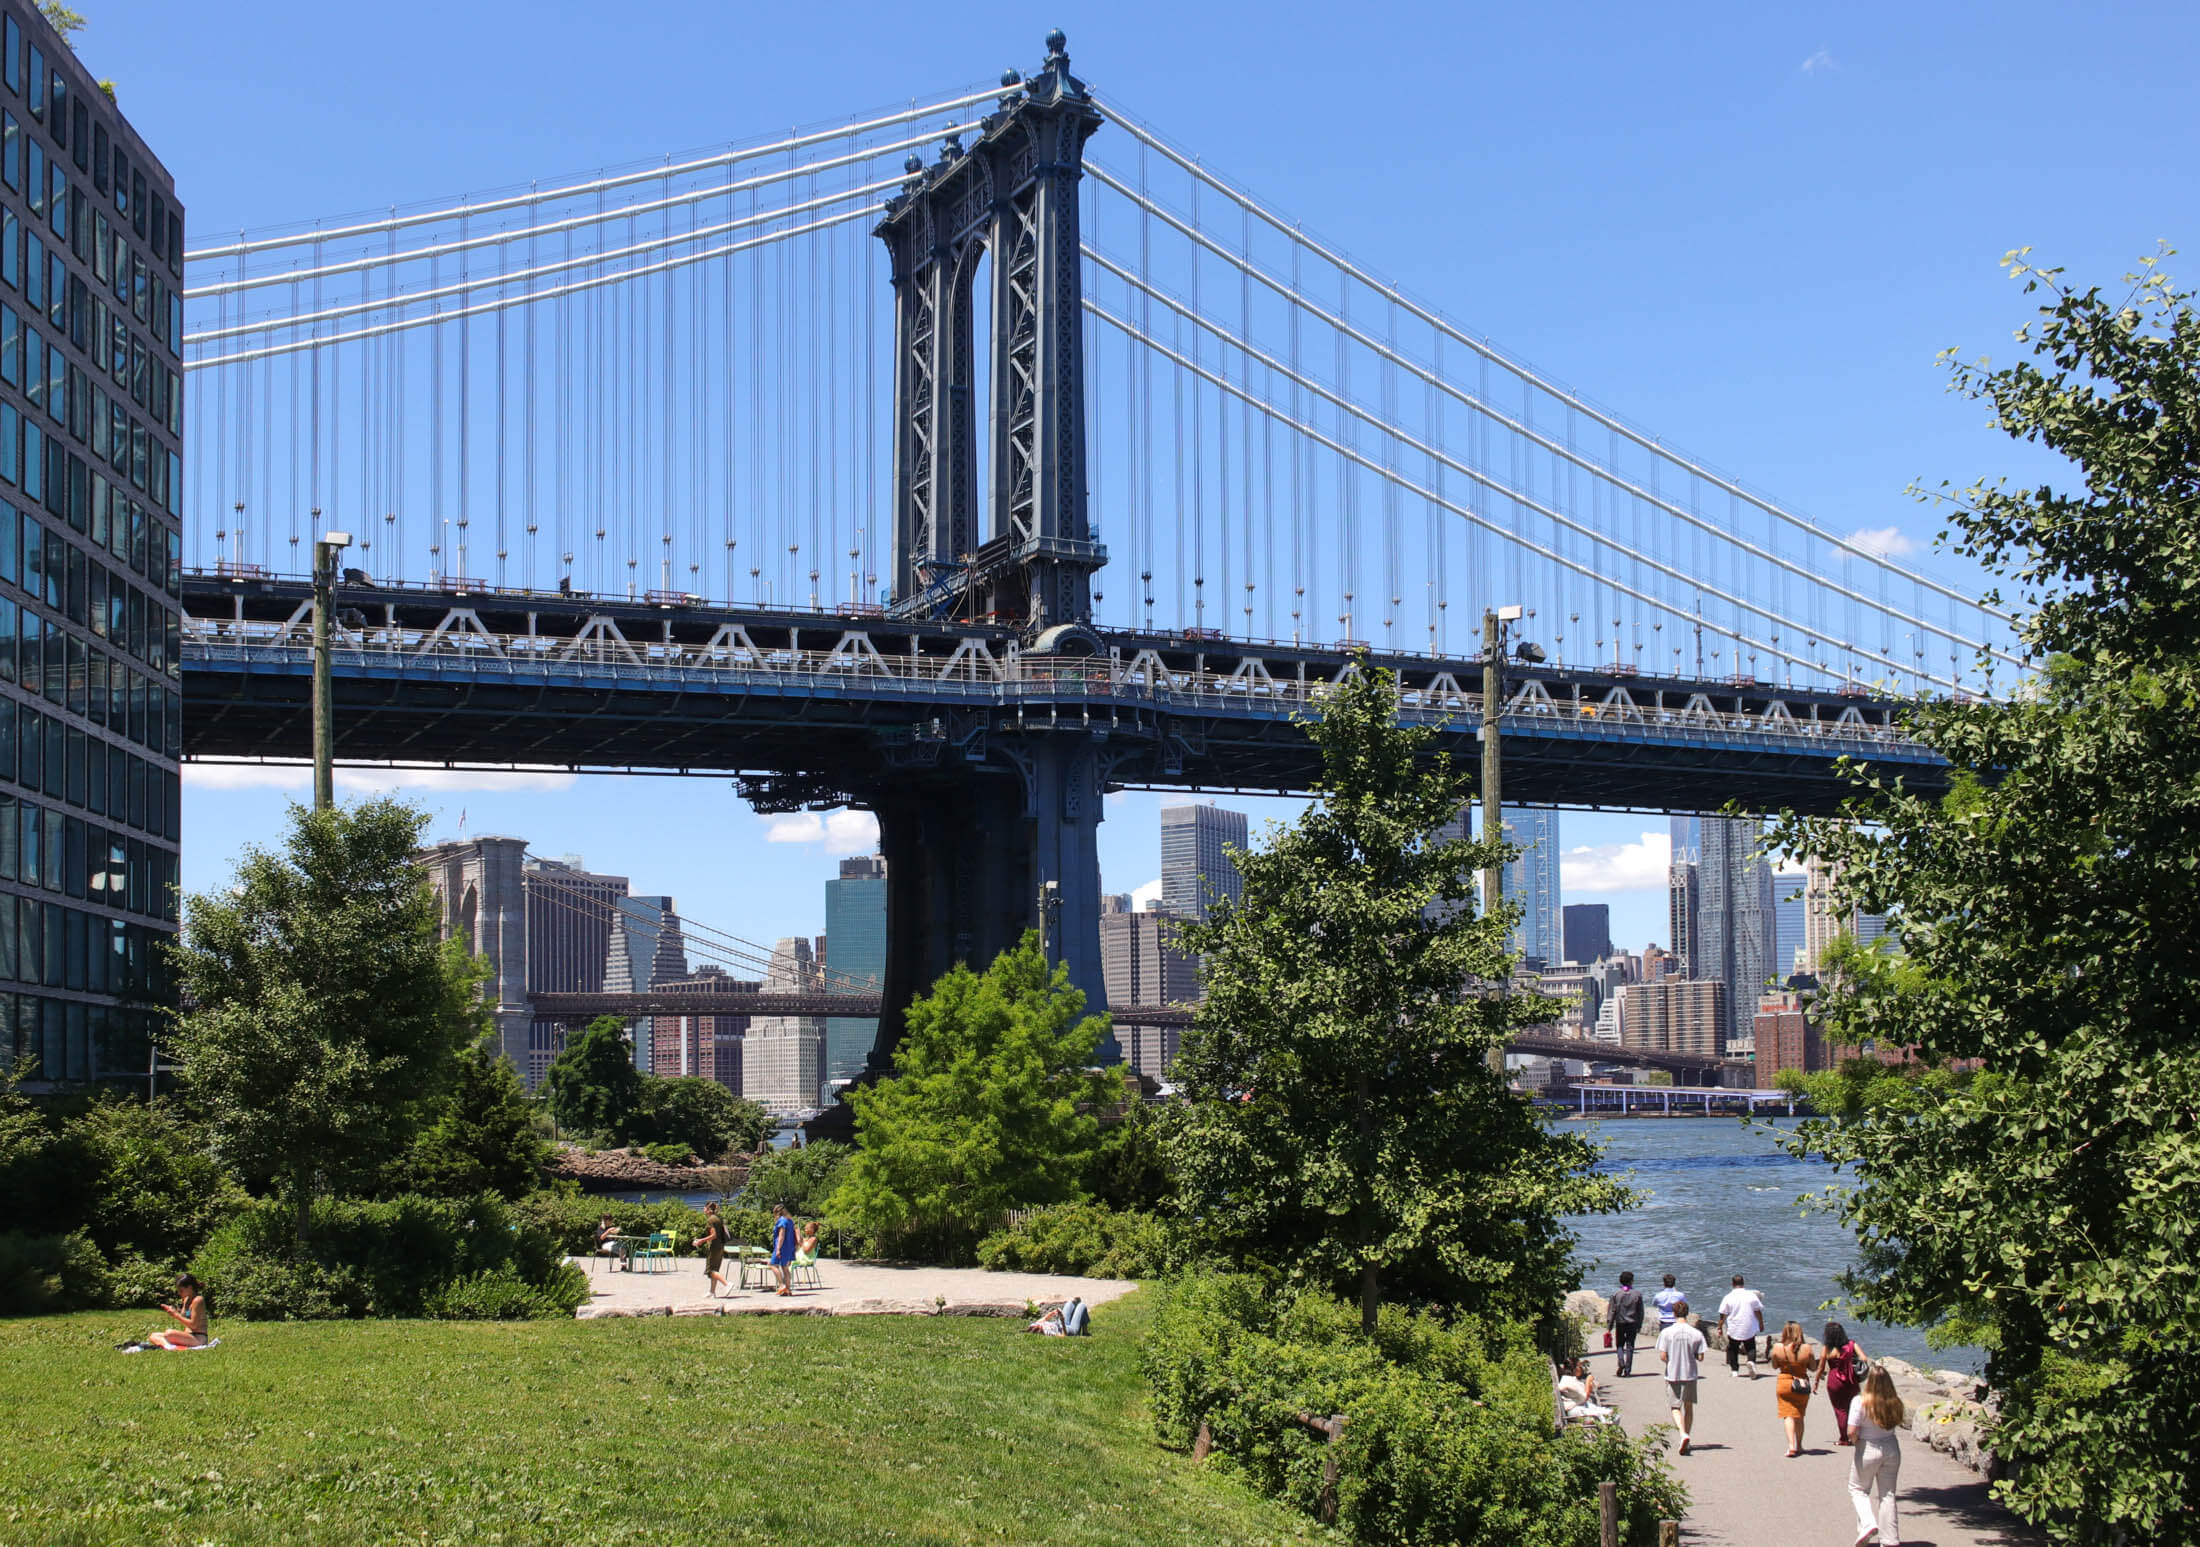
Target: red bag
x=1607, y=1340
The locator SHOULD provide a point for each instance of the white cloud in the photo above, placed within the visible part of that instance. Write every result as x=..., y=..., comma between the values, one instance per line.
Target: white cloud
x=1141, y=895
x=1886, y=542
x=298, y=777
x=1820, y=60
x=1616, y=867
x=841, y=832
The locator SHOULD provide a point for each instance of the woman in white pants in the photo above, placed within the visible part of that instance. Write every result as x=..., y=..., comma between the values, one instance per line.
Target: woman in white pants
x=1875, y=1421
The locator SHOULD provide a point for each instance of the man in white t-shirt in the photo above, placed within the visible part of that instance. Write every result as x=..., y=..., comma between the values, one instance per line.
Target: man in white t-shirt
x=1680, y=1350
x=1741, y=1318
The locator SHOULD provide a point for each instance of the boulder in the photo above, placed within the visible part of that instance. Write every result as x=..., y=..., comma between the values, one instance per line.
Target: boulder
x=699, y=1308
x=1588, y=1305
x=886, y=1308
x=1006, y=1308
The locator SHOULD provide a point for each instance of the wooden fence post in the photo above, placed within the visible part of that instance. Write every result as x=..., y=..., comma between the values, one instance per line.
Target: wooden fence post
x=1203, y=1443
x=1608, y=1515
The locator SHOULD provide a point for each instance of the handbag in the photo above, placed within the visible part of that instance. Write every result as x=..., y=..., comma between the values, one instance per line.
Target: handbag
x=1607, y=1340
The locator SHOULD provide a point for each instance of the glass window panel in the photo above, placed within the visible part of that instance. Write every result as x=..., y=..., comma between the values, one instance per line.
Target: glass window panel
x=10, y=527
x=13, y=70
x=58, y=94
x=9, y=861
x=49, y=846
x=11, y=346
x=11, y=250
x=30, y=919
x=95, y=762
x=11, y=150
x=11, y=444
x=38, y=82
x=29, y=828
x=8, y=626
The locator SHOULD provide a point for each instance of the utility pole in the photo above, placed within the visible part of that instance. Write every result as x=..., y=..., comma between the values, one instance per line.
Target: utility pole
x=1493, y=702
x=325, y=551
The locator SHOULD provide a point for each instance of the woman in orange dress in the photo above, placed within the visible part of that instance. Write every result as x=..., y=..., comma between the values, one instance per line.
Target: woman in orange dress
x=1795, y=1357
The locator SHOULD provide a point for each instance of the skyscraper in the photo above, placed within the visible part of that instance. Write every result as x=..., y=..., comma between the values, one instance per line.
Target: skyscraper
x=91, y=491
x=1531, y=880
x=1586, y=928
x=1788, y=932
x=855, y=923
x=1735, y=917
x=1823, y=923
x=1195, y=867
x=570, y=909
x=1143, y=966
x=645, y=948
x=783, y=1056
x=1682, y=914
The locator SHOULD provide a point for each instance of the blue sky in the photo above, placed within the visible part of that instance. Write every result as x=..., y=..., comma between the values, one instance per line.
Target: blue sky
x=1749, y=228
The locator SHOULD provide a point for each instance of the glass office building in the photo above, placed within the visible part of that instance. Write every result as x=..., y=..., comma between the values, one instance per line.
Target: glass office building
x=91, y=409
x=855, y=936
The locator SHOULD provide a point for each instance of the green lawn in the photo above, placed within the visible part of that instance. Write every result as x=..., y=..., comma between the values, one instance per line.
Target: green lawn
x=793, y=1430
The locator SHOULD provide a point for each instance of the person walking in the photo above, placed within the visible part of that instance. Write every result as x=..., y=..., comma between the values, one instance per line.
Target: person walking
x=1680, y=1350
x=1795, y=1358
x=1875, y=1421
x=1741, y=1318
x=1843, y=1368
x=1666, y=1299
x=713, y=1243
x=783, y=1249
x=1624, y=1317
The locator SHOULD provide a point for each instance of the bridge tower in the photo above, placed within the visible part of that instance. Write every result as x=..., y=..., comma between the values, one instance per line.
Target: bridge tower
x=1011, y=196
x=974, y=861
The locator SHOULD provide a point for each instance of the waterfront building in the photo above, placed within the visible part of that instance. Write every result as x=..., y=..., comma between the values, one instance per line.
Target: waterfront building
x=1142, y=965
x=855, y=929
x=1676, y=1015
x=645, y=948
x=1196, y=868
x=1586, y=931
x=1608, y=1022
x=1735, y=916
x=1785, y=1039
x=1531, y=880
x=783, y=1056
x=91, y=487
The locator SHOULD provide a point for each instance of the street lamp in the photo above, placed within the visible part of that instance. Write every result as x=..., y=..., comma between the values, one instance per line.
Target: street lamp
x=1494, y=630
x=325, y=551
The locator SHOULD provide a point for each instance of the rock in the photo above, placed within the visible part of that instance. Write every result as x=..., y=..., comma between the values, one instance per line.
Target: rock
x=699, y=1308
x=1588, y=1305
x=626, y=1170
x=886, y=1308
x=600, y=1313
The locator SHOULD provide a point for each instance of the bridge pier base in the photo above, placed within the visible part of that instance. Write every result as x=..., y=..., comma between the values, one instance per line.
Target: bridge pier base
x=968, y=861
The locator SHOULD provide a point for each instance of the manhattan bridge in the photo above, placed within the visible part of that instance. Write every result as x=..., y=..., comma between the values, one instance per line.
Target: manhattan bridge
x=963, y=462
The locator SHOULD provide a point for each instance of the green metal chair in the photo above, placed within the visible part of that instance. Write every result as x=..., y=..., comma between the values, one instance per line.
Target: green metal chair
x=804, y=1275
x=662, y=1248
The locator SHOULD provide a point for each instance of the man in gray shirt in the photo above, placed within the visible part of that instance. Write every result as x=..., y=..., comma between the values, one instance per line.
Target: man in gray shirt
x=1681, y=1349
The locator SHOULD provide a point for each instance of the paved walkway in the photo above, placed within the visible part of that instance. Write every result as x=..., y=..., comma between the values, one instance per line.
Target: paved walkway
x=1747, y=1493
x=850, y=1289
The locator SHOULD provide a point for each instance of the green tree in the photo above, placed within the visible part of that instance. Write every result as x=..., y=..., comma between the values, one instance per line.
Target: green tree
x=325, y=1008
x=1130, y=1169
x=68, y=23
x=592, y=1085
x=483, y=1137
x=989, y=1107
x=701, y=1114
x=1343, y=1121
x=801, y=1178
x=2045, y=910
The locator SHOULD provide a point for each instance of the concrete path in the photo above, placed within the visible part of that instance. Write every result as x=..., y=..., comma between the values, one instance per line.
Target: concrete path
x=850, y=1289
x=1746, y=1491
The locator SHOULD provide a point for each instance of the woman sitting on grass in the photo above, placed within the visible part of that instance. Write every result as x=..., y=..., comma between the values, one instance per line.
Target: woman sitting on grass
x=189, y=1313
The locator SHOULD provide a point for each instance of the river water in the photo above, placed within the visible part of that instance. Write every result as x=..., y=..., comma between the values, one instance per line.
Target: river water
x=1720, y=1198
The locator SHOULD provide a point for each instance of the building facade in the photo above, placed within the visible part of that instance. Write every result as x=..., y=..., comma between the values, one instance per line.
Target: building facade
x=1785, y=1039
x=1735, y=916
x=1825, y=921
x=1143, y=966
x=570, y=912
x=1683, y=916
x=709, y=1047
x=1196, y=868
x=1675, y=1015
x=783, y=1056
x=1788, y=920
x=1531, y=881
x=1585, y=929
x=855, y=926
x=480, y=887
x=646, y=948
x=91, y=414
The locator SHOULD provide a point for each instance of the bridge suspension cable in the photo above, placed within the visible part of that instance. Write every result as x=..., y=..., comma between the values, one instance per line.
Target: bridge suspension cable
x=1345, y=265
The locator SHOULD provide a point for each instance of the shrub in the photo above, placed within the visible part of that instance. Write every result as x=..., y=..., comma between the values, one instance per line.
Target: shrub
x=799, y=1178
x=568, y=1219
x=502, y=1295
x=1083, y=1238
x=1448, y=1433
x=669, y=1154
x=388, y=1258
x=42, y=1273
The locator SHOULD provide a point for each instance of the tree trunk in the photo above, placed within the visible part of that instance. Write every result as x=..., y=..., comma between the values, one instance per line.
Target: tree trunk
x=1371, y=1275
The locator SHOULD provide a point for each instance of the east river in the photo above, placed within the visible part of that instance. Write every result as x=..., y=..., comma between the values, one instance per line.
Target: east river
x=1718, y=1199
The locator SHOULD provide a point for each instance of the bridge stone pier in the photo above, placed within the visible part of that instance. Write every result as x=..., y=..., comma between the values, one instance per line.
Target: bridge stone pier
x=481, y=887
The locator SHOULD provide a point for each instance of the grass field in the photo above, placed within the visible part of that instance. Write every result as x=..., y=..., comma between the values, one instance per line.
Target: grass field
x=794, y=1430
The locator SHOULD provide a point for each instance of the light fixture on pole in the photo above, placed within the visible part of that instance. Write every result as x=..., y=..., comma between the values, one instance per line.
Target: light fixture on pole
x=325, y=550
